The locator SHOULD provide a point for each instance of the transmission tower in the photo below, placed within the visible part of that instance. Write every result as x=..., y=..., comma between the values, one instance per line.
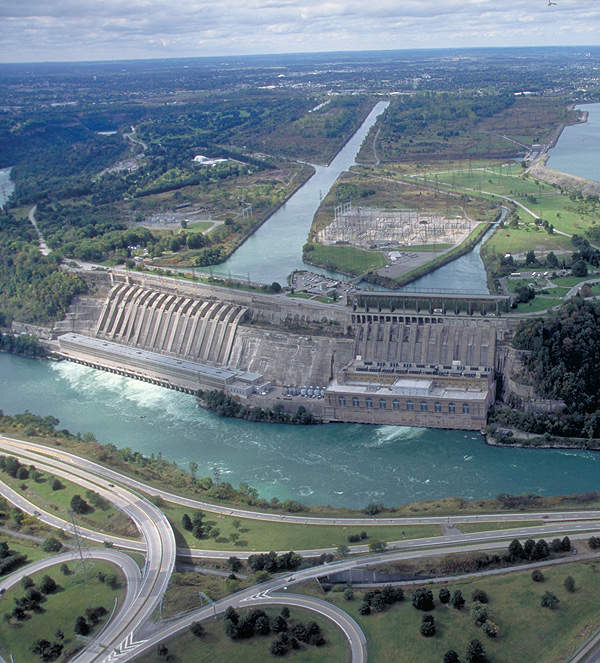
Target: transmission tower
x=80, y=548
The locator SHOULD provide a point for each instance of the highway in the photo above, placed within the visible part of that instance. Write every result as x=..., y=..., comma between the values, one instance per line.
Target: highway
x=118, y=641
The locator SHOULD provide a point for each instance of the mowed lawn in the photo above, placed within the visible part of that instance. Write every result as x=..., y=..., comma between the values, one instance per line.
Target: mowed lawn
x=264, y=535
x=216, y=647
x=347, y=259
x=528, y=632
x=77, y=591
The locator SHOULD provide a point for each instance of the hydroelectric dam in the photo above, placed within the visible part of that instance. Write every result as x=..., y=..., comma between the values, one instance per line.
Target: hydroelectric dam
x=415, y=359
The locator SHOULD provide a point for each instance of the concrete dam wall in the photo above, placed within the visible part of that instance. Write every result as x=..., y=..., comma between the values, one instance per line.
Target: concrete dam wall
x=170, y=324
x=427, y=343
x=289, y=359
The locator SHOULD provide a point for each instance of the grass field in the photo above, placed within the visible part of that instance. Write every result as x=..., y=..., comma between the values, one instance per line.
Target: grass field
x=468, y=528
x=216, y=647
x=77, y=592
x=106, y=518
x=182, y=593
x=540, y=303
x=200, y=226
x=527, y=632
x=265, y=535
x=346, y=259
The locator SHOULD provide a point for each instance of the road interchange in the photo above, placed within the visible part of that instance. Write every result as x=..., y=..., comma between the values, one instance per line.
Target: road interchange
x=117, y=642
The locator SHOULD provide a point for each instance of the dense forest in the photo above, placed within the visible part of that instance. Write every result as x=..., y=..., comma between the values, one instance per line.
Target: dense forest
x=562, y=354
x=33, y=288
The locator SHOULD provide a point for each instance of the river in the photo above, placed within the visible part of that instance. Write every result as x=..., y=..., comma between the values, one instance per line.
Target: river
x=578, y=148
x=339, y=464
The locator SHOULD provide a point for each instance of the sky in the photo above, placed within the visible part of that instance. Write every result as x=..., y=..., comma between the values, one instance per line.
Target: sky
x=67, y=30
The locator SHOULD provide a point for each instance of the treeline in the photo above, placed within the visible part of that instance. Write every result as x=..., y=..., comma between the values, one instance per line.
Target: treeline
x=226, y=406
x=561, y=357
x=9, y=559
x=22, y=344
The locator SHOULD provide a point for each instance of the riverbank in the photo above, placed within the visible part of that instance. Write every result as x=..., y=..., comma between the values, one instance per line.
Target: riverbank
x=160, y=473
x=512, y=437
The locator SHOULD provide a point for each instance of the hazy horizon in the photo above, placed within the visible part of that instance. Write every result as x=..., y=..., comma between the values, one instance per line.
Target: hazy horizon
x=85, y=31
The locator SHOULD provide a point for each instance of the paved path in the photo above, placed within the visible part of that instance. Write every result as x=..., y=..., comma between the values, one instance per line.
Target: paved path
x=44, y=250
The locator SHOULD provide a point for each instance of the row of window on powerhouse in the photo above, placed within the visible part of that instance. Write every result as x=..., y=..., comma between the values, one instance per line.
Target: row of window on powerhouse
x=410, y=405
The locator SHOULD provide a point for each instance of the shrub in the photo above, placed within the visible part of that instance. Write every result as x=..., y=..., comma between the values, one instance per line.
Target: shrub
x=348, y=594
x=537, y=575
x=451, y=657
x=365, y=609
x=428, y=626
x=81, y=626
x=444, y=595
x=490, y=629
x=569, y=584
x=549, y=600
x=197, y=629
x=476, y=653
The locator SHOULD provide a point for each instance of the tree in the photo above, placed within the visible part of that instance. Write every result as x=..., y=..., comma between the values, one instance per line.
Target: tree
x=530, y=258
x=365, y=608
x=528, y=548
x=490, y=629
x=479, y=595
x=565, y=544
x=234, y=563
x=81, y=626
x=457, y=601
x=79, y=505
x=262, y=626
x=427, y=626
x=349, y=594
x=451, y=657
x=549, y=600
x=48, y=586
x=422, y=599
x=285, y=612
x=579, y=268
x=476, y=653
x=552, y=260
x=275, y=287
x=279, y=624
x=231, y=614
x=51, y=545
x=278, y=648
x=56, y=484
x=342, y=550
x=193, y=465
x=444, y=595
x=569, y=584
x=186, y=522
x=479, y=613
x=198, y=530
x=540, y=550
x=197, y=629
x=537, y=576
